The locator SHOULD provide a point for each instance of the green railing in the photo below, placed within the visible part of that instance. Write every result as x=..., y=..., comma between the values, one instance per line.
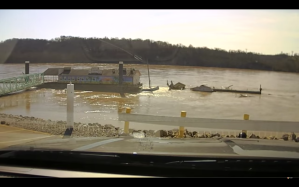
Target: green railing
x=23, y=82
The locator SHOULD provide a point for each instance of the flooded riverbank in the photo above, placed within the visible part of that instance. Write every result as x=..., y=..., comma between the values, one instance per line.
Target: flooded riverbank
x=279, y=100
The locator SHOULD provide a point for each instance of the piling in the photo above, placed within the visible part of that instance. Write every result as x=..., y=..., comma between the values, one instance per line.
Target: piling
x=26, y=67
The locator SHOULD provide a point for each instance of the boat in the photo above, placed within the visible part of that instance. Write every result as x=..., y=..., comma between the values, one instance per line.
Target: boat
x=202, y=88
x=177, y=86
x=93, y=79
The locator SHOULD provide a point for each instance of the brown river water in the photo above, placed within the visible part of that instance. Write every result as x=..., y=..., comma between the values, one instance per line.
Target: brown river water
x=279, y=100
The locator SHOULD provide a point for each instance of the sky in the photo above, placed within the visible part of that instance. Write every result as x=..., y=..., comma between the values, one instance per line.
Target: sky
x=260, y=31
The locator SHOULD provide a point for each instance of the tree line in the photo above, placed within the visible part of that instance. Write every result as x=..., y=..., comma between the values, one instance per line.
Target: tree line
x=68, y=49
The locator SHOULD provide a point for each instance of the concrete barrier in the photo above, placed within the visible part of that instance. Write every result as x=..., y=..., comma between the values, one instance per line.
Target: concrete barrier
x=230, y=124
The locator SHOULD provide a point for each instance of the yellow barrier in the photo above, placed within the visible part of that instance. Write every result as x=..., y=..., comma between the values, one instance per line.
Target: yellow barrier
x=181, y=128
x=246, y=117
x=126, y=127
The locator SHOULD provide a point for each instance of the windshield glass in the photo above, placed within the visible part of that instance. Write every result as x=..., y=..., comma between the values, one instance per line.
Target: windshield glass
x=173, y=82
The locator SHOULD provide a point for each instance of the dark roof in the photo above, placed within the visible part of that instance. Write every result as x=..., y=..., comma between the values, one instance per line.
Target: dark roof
x=52, y=71
x=79, y=72
x=66, y=72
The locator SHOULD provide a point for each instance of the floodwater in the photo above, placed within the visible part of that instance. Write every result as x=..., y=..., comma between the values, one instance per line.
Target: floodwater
x=279, y=100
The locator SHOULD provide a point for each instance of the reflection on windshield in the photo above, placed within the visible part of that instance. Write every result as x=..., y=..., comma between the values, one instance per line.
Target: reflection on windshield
x=158, y=94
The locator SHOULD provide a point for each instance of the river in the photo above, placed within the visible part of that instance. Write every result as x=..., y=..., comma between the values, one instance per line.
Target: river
x=279, y=100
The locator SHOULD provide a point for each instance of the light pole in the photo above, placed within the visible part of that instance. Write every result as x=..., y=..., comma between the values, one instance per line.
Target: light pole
x=135, y=56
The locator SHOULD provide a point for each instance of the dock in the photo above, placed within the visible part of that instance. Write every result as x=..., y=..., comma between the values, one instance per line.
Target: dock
x=237, y=91
x=204, y=88
x=23, y=82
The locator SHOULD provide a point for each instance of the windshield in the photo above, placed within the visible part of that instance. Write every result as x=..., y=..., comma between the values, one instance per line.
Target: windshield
x=155, y=82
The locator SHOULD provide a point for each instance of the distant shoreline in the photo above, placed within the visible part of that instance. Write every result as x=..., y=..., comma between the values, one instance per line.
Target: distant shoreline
x=126, y=63
x=67, y=49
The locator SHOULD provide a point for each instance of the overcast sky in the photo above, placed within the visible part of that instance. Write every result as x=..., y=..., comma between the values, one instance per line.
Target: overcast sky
x=262, y=31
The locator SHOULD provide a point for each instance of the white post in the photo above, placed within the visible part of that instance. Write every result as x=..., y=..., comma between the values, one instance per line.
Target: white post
x=70, y=105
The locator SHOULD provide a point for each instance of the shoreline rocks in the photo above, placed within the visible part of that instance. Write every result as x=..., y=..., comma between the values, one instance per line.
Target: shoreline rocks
x=160, y=133
x=108, y=130
x=285, y=137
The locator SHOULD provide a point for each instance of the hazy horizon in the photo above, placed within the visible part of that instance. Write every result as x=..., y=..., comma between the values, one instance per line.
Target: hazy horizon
x=260, y=31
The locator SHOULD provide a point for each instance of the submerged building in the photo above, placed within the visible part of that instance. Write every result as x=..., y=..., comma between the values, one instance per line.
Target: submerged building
x=93, y=79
